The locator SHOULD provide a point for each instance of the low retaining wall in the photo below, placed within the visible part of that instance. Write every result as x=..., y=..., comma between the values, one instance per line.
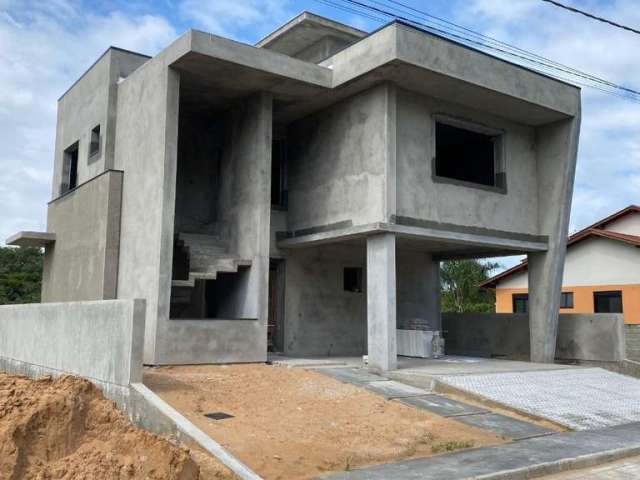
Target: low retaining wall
x=632, y=336
x=99, y=340
x=588, y=337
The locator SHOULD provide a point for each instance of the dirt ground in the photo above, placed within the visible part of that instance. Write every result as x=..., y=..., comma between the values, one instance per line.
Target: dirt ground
x=66, y=429
x=291, y=423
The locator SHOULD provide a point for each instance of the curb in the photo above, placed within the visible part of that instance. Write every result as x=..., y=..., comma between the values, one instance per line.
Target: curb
x=559, y=466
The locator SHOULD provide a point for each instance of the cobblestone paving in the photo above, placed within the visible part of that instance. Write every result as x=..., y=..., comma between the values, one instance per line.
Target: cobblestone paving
x=582, y=399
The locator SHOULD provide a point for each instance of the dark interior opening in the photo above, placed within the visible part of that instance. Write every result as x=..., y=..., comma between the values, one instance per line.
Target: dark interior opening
x=70, y=173
x=94, y=145
x=465, y=155
x=607, y=302
x=353, y=279
x=279, y=173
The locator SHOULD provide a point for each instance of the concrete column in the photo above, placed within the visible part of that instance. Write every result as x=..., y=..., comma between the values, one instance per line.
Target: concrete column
x=381, y=302
x=556, y=153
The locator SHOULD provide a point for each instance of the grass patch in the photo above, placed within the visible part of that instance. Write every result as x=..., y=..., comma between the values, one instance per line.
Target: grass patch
x=450, y=446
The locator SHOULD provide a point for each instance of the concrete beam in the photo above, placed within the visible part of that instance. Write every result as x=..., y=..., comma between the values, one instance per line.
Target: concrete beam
x=381, y=302
x=31, y=239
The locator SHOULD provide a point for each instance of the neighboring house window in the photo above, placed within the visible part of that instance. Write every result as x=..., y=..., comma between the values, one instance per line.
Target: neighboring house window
x=566, y=300
x=353, y=279
x=470, y=155
x=279, y=174
x=520, y=303
x=69, y=169
x=94, y=145
x=607, y=302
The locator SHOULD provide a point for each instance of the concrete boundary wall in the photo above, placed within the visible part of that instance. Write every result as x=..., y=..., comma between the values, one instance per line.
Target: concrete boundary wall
x=586, y=337
x=99, y=340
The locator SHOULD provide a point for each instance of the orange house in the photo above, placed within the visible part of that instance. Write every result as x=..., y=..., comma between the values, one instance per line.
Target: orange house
x=601, y=271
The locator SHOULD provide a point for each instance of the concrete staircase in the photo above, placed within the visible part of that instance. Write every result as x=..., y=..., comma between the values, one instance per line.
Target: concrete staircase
x=208, y=256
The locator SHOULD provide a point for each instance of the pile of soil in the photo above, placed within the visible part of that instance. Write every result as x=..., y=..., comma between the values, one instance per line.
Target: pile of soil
x=291, y=423
x=66, y=429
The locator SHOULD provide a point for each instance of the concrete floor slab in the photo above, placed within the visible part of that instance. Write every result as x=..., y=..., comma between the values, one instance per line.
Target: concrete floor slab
x=579, y=398
x=390, y=389
x=441, y=405
x=505, y=426
x=523, y=459
x=354, y=376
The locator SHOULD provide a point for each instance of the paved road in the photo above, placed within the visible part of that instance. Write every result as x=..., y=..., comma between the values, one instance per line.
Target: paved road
x=628, y=469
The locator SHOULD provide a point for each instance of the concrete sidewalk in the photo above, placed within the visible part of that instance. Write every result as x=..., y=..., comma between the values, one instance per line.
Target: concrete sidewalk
x=519, y=460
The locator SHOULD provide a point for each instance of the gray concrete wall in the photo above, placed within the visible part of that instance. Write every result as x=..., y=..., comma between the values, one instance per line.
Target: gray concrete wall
x=244, y=200
x=418, y=291
x=337, y=163
x=588, y=337
x=213, y=341
x=82, y=264
x=146, y=149
x=200, y=140
x=320, y=317
x=418, y=196
x=632, y=336
x=101, y=340
x=91, y=101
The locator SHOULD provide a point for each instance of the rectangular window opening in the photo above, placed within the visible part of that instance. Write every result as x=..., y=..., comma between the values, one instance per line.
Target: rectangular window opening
x=520, y=303
x=279, y=174
x=70, y=168
x=607, y=302
x=353, y=279
x=566, y=300
x=94, y=145
x=468, y=155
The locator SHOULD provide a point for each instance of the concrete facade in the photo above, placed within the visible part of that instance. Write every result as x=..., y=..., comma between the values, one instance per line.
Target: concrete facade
x=315, y=149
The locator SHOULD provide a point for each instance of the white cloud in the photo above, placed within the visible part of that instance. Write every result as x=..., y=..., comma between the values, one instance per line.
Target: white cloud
x=231, y=18
x=44, y=48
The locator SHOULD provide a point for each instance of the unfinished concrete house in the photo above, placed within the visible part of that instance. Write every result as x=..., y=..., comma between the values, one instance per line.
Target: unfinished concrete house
x=298, y=195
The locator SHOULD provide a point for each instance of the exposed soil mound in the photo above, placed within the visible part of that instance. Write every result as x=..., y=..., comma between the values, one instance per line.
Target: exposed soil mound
x=66, y=429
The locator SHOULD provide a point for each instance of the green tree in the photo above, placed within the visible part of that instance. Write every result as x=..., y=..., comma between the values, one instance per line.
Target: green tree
x=20, y=275
x=459, y=283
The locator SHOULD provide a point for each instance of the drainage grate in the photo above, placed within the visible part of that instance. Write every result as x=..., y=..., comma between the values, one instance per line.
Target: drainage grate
x=218, y=415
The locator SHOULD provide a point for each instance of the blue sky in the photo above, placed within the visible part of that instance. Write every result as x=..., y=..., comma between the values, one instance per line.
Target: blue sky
x=46, y=45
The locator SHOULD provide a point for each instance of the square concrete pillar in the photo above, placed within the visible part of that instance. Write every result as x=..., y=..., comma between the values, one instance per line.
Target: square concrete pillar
x=381, y=302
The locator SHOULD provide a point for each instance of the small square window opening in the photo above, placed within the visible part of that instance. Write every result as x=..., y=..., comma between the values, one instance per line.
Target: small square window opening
x=353, y=279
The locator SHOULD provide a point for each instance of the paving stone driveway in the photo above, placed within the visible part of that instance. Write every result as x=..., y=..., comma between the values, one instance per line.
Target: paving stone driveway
x=579, y=398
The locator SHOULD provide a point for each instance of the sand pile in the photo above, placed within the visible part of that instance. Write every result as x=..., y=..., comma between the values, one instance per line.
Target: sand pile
x=66, y=429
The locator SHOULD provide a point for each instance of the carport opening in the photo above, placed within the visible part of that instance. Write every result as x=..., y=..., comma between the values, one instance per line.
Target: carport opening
x=467, y=155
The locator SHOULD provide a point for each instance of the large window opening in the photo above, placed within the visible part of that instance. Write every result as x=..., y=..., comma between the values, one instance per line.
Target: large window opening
x=607, y=302
x=468, y=155
x=70, y=169
x=279, y=173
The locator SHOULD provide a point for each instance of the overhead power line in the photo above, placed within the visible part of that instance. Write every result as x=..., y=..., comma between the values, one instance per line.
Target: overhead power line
x=592, y=16
x=399, y=11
